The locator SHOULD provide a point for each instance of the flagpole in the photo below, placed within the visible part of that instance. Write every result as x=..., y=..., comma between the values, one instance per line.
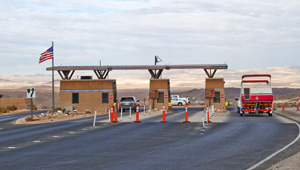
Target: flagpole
x=53, y=79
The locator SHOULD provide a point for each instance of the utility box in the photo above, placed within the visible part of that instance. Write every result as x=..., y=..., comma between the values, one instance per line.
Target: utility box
x=159, y=94
x=215, y=93
x=95, y=95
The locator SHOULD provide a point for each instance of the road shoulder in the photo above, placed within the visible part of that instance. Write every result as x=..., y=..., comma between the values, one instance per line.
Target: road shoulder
x=291, y=162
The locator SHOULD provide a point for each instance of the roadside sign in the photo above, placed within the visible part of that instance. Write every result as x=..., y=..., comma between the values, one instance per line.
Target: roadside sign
x=209, y=92
x=153, y=93
x=222, y=96
x=166, y=96
x=31, y=92
x=110, y=96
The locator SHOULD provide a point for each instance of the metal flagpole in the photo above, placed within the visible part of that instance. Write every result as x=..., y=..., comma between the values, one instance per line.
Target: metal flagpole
x=53, y=79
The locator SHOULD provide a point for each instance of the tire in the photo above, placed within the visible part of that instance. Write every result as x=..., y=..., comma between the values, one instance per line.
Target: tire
x=238, y=110
x=180, y=104
x=241, y=114
x=270, y=114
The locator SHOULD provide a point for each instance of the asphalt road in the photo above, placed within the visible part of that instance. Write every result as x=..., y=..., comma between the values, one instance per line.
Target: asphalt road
x=230, y=142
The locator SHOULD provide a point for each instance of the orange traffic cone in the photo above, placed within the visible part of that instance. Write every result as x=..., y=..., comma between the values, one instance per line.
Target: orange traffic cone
x=137, y=114
x=164, y=115
x=116, y=114
x=207, y=115
x=111, y=113
x=186, y=115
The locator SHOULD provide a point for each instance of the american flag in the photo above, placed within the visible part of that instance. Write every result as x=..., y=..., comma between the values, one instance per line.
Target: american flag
x=47, y=55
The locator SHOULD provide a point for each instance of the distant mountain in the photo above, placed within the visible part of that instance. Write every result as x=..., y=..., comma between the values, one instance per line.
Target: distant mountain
x=283, y=91
x=5, y=80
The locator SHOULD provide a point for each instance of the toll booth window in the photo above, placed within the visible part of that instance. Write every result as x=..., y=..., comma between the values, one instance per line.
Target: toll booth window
x=105, y=98
x=160, y=97
x=217, y=98
x=75, y=98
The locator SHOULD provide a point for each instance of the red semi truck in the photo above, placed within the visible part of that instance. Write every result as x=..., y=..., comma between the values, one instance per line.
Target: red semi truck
x=255, y=100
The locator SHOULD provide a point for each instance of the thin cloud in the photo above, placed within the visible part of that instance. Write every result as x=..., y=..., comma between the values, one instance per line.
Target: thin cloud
x=244, y=34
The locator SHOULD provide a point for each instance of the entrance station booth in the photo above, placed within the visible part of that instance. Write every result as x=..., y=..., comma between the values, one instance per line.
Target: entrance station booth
x=159, y=93
x=95, y=95
x=215, y=93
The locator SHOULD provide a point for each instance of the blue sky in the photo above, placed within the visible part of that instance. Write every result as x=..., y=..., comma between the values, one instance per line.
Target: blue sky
x=245, y=34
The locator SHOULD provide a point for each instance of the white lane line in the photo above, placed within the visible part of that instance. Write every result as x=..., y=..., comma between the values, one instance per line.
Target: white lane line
x=72, y=132
x=56, y=136
x=282, y=149
x=37, y=141
x=11, y=147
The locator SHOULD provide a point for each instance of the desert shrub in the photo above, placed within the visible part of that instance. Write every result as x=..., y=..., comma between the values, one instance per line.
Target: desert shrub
x=11, y=108
x=35, y=118
x=44, y=107
x=67, y=112
x=56, y=109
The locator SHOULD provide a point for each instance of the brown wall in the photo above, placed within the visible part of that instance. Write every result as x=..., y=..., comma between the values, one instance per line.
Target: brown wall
x=162, y=85
x=218, y=85
x=20, y=103
x=90, y=94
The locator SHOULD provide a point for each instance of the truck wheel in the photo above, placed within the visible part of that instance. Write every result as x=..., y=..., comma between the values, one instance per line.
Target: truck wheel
x=270, y=114
x=241, y=114
x=180, y=104
x=238, y=110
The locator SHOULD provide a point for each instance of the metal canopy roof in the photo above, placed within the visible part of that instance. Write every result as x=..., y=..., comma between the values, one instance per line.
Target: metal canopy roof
x=66, y=72
x=140, y=67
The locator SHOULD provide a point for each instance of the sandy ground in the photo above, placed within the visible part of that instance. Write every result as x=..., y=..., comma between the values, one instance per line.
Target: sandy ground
x=292, y=162
x=56, y=119
x=69, y=117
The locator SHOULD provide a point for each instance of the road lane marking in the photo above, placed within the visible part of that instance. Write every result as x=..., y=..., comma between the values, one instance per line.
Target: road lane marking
x=72, y=132
x=282, y=149
x=37, y=141
x=56, y=136
x=11, y=147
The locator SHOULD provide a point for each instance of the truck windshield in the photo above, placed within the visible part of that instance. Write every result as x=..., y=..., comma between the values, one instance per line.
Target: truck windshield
x=246, y=92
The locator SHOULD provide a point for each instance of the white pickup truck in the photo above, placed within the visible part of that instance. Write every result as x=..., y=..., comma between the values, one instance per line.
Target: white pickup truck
x=176, y=100
x=186, y=99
